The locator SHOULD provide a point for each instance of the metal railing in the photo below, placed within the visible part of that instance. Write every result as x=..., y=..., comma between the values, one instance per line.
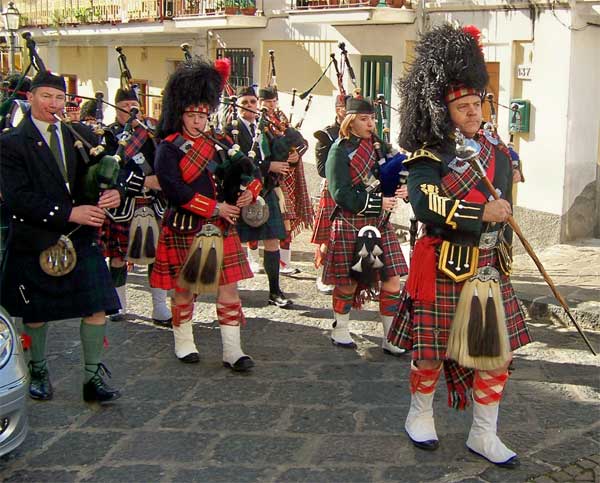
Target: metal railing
x=47, y=13
x=326, y=4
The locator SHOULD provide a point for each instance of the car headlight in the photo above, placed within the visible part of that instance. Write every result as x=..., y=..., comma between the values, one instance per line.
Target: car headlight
x=6, y=342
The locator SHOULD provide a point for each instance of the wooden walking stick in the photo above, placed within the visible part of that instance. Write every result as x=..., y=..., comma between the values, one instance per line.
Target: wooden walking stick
x=470, y=153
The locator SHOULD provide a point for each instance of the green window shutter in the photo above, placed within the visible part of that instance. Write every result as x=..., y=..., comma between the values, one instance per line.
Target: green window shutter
x=241, y=66
x=375, y=79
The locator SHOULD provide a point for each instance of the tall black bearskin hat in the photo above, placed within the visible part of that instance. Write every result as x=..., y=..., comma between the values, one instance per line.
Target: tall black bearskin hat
x=448, y=64
x=267, y=93
x=125, y=95
x=45, y=78
x=197, y=84
x=357, y=104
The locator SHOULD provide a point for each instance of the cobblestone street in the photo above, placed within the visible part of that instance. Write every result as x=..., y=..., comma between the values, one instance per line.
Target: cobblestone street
x=309, y=412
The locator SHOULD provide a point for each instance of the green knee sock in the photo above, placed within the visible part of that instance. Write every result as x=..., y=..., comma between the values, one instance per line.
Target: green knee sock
x=92, y=342
x=37, y=351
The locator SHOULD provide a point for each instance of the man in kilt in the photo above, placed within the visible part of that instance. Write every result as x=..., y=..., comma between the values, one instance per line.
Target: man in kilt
x=320, y=237
x=186, y=163
x=142, y=189
x=298, y=207
x=270, y=171
x=459, y=310
x=42, y=182
x=352, y=172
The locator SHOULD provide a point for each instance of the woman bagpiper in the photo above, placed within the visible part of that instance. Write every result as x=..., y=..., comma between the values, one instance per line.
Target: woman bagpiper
x=199, y=225
x=363, y=248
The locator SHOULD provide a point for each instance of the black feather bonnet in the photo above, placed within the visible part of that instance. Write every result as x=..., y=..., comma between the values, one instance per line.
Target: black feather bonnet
x=198, y=83
x=448, y=64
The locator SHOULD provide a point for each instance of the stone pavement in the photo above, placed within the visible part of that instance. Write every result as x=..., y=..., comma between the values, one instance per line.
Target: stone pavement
x=575, y=270
x=309, y=412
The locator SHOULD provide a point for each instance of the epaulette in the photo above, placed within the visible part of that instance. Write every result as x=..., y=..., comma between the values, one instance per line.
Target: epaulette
x=421, y=153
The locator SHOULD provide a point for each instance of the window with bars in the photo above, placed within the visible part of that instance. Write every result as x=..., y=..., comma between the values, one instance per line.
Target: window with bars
x=241, y=66
x=376, y=79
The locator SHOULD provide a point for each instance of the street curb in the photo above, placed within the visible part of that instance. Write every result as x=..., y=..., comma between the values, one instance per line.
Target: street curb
x=538, y=307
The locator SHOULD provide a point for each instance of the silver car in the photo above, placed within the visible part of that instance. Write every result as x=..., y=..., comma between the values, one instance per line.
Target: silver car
x=14, y=381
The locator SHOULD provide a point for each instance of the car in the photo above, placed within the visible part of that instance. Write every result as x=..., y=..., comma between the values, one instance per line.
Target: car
x=14, y=383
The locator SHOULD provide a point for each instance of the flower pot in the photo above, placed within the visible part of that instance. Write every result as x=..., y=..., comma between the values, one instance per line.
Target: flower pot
x=394, y=3
x=231, y=10
x=334, y=3
x=249, y=11
x=373, y=3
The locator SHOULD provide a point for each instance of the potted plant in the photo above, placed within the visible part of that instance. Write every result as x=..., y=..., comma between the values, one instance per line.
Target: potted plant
x=231, y=7
x=248, y=7
x=395, y=3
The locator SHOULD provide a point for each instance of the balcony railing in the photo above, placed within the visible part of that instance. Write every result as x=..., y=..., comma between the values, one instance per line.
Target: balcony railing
x=46, y=13
x=328, y=4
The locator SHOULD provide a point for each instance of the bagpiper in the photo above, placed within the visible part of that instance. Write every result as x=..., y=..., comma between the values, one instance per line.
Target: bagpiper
x=130, y=233
x=363, y=254
x=459, y=309
x=206, y=186
x=325, y=138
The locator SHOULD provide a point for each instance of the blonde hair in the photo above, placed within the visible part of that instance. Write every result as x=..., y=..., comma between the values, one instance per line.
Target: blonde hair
x=345, y=127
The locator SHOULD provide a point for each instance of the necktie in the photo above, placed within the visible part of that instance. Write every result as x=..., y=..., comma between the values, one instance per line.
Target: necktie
x=253, y=130
x=55, y=148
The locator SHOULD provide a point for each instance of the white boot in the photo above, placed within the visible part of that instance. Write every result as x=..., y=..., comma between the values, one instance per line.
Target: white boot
x=233, y=356
x=386, y=321
x=322, y=287
x=254, y=260
x=419, y=424
x=161, y=313
x=185, y=348
x=285, y=260
x=340, y=334
x=122, y=294
x=483, y=439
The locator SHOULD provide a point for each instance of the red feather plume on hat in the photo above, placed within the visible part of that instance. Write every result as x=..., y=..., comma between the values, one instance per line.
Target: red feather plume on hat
x=474, y=32
x=223, y=67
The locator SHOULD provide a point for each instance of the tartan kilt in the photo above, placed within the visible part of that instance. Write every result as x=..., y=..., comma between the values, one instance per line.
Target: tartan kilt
x=424, y=328
x=88, y=289
x=340, y=249
x=114, y=237
x=273, y=229
x=172, y=252
x=323, y=223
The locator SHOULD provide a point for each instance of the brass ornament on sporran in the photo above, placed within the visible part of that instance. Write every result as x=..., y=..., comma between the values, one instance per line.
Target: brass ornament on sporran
x=256, y=214
x=59, y=259
x=201, y=271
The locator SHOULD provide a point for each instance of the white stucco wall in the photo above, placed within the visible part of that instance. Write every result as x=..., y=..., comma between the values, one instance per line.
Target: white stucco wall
x=583, y=123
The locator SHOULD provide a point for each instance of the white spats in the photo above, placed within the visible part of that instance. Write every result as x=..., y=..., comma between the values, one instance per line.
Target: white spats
x=160, y=309
x=184, y=339
x=254, y=260
x=340, y=334
x=483, y=439
x=419, y=424
x=386, y=322
x=232, y=349
x=122, y=294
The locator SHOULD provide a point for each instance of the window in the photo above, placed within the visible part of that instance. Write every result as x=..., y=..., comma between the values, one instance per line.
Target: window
x=375, y=79
x=143, y=94
x=241, y=66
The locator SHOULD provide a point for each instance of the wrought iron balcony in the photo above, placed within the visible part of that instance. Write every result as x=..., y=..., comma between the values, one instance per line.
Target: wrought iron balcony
x=49, y=13
x=334, y=4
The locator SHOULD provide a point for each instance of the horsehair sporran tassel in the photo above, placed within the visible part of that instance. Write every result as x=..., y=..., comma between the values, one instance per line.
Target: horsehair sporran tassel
x=475, y=327
x=191, y=268
x=136, y=245
x=209, y=270
x=491, y=336
x=149, y=244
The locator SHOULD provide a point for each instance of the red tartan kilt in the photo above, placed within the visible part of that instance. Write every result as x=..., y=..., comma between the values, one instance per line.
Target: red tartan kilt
x=340, y=250
x=172, y=252
x=425, y=328
x=323, y=224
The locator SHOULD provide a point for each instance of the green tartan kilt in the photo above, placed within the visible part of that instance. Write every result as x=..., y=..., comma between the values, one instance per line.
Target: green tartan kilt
x=273, y=229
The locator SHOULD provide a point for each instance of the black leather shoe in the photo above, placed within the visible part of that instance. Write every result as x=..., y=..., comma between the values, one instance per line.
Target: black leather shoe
x=243, y=364
x=191, y=358
x=163, y=323
x=97, y=390
x=40, y=387
x=279, y=300
x=117, y=317
x=430, y=445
